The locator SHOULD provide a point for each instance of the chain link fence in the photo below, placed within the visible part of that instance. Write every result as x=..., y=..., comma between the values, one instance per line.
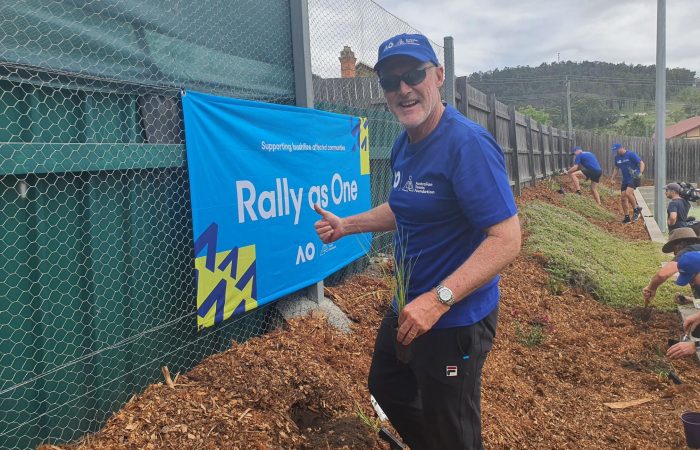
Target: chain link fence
x=345, y=36
x=96, y=275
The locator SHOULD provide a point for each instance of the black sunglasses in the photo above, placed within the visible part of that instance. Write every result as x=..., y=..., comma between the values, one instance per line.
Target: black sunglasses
x=412, y=78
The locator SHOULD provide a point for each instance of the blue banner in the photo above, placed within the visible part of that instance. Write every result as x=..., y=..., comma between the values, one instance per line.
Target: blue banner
x=256, y=170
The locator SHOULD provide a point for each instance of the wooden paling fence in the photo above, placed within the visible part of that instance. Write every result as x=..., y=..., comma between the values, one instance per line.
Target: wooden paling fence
x=543, y=150
x=682, y=155
x=532, y=151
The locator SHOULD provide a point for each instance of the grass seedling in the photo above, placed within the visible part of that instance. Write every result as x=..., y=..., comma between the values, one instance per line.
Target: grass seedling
x=529, y=335
x=402, y=274
x=371, y=422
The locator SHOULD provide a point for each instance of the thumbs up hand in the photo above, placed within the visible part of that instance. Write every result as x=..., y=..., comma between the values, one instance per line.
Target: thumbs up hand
x=330, y=227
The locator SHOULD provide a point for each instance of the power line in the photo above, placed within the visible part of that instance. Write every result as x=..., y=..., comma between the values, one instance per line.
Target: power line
x=580, y=78
x=534, y=96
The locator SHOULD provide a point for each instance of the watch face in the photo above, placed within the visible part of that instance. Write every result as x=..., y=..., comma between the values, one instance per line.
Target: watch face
x=445, y=294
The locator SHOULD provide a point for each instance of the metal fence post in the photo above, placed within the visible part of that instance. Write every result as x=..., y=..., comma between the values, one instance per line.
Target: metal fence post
x=301, y=53
x=449, y=71
x=303, y=87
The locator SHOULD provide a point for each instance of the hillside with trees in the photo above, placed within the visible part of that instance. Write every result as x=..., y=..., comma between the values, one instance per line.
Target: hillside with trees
x=604, y=96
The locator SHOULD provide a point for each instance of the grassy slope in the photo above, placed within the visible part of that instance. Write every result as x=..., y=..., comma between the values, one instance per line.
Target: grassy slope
x=614, y=271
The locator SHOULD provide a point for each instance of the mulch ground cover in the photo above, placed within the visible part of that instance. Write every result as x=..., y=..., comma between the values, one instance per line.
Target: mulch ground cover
x=559, y=357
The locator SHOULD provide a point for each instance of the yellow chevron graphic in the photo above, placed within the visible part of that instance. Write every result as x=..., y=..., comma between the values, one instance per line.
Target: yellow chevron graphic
x=364, y=146
x=210, y=290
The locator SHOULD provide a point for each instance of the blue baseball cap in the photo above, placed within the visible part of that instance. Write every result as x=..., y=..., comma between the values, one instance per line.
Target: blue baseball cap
x=575, y=149
x=615, y=147
x=414, y=45
x=688, y=267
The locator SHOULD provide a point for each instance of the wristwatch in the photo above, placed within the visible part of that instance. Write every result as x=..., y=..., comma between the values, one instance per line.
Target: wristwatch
x=445, y=295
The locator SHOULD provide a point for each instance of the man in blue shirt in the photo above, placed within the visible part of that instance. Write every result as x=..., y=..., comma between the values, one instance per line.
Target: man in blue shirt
x=456, y=228
x=631, y=167
x=680, y=241
x=585, y=165
x=689, y=273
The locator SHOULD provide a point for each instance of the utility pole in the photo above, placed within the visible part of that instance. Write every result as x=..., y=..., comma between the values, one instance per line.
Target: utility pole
x=660, y=147
x=568, y=105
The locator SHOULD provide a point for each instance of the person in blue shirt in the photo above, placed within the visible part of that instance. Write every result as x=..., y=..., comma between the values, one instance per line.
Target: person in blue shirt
x=455, y=228
x=689, y=274
x=585, y=165
x=631, y=168
x=680, y=241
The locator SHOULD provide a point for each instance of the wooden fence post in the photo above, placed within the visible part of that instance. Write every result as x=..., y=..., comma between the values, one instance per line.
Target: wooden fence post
x=530, y=152
x=462, y=88
x=543, y=156
x=492, y=119
x=555, y=165
x=513, y=140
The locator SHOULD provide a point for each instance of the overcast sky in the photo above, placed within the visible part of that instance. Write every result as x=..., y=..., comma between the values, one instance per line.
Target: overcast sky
x=508, y=33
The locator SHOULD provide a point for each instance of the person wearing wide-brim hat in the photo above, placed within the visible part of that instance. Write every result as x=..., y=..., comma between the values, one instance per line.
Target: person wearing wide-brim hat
x=680, y=241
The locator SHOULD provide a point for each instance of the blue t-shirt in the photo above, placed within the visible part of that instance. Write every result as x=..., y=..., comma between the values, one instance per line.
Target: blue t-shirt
x=588, y=161
x=681, y=207
x=447, y=189
x=628, y=164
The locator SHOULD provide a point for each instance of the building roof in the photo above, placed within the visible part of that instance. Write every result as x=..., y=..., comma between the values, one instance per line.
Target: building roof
x=682, y=127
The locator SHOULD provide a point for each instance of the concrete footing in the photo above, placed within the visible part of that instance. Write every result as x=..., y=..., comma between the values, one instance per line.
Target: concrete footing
x=300, y=304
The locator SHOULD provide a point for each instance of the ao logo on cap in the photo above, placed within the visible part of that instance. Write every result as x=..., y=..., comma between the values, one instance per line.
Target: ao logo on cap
x=397, y=178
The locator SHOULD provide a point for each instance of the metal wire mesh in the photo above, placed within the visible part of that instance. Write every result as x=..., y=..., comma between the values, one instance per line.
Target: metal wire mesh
x=96, y=275
x=97, y=269
x=345, y=36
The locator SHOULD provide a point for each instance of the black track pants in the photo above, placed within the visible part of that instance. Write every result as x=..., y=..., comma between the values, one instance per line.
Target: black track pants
x=434, y=400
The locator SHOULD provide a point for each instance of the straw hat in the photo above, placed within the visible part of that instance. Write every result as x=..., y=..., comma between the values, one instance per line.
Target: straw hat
x=683, y=235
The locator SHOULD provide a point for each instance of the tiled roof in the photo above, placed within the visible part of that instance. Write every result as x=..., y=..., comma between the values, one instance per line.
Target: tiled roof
x=682, y=127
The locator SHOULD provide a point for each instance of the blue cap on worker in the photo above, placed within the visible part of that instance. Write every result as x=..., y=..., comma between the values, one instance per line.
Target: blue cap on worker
x=575, y=149
x=414, y=45
x=615, y=147
x=688, y=267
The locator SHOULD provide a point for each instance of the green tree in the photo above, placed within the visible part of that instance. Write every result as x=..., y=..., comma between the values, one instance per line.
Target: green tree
x=636, y=126
x=589, y=112
x=539, y=115
x=690, y=97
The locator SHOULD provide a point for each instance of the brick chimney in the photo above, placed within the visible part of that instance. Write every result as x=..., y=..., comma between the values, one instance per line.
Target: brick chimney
x=347, y=63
